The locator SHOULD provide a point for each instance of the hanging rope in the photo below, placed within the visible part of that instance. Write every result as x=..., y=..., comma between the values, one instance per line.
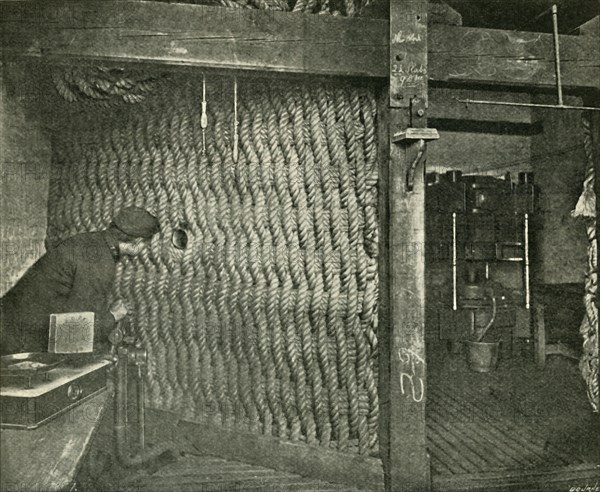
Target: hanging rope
x=586, y=208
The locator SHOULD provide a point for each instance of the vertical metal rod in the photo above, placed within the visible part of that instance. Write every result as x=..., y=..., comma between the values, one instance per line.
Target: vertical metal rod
x=556, y=53
x=141, y=395
x=204, y=117
x=487, y=270
x=125, y=396
x=120, y=404
x=235, y=120
x=527, y=295
x=454, y=263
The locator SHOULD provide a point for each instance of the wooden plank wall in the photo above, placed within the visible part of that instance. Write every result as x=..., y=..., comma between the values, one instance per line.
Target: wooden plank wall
x=25, y=169
x=559, y=164
x=478, y=139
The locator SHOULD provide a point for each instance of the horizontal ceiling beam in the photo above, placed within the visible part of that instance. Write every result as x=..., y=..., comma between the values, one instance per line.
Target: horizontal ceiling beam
x=187, y=34
x=259, y=40
x=522, y=59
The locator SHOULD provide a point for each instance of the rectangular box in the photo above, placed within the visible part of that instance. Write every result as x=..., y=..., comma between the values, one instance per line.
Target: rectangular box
x=71, y=333
x=28, y=408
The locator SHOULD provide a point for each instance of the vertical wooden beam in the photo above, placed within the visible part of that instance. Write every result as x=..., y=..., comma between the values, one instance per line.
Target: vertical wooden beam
x=384, y=332
x=404, y=440
x=539, y=333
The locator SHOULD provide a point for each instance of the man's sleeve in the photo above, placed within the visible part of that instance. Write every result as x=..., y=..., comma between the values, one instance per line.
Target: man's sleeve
x=55, y=271
x=27, y=306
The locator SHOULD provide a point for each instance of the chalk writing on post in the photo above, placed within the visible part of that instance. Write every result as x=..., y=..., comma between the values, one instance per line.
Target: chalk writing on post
x=412, y=373
x=409, y=75
x=406, y=38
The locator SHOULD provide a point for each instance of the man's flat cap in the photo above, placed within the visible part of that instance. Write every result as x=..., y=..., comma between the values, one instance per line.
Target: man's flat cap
x=136, y=222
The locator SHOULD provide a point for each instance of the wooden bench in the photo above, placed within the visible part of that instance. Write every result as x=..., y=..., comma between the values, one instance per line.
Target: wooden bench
x=48, y=458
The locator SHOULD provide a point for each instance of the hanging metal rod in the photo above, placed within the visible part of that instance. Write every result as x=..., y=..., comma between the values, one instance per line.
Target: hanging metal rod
x=556, y=53
x=529, y=105
x=560, y=104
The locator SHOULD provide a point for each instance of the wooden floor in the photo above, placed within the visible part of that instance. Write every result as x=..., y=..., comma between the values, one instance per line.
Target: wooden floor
x=195, y=473
x=190, y=470
x=517, y=421
x=517, y=429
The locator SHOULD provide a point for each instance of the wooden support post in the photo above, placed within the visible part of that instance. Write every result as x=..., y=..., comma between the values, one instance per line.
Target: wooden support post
x=404, y=440
x=540, y=334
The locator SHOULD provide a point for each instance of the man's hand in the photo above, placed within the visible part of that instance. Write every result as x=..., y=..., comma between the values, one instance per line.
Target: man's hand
x=118, y=310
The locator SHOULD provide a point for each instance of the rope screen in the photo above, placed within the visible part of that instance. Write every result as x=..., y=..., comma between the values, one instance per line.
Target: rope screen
x=586, y=208
x=267, y=319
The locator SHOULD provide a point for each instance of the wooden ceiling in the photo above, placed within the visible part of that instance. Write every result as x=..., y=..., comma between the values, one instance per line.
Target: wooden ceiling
x=525, y=15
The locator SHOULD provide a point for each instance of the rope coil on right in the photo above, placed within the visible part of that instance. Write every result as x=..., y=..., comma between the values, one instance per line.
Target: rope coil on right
x=586, y=208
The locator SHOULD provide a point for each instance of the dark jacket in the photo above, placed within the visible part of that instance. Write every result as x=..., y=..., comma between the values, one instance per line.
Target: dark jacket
x=77, y=275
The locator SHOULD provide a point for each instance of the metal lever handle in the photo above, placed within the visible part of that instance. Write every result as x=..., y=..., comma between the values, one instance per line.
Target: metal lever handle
x=130, y=351
x=412, y=169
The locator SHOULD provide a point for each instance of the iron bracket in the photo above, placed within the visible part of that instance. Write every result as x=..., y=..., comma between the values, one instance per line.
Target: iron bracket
x=421, y=136
x=411, y=134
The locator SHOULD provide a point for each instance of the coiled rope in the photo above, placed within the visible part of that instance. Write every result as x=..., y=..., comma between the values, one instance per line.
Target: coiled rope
x=266, y=321
x=586, y=208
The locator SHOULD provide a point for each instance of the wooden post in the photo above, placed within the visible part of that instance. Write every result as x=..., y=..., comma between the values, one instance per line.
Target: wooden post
x=404, y=440
x=539, y=334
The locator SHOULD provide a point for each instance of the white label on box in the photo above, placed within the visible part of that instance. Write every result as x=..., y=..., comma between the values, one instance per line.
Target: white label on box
x=71, y=333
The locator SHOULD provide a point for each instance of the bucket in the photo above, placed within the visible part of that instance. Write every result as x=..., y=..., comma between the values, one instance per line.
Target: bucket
x=482, y=356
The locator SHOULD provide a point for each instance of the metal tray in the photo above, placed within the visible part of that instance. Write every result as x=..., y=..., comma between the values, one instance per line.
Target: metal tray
x=9, y=364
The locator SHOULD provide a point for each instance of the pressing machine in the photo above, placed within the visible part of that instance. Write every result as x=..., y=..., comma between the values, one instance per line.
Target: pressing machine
x=478, y=233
